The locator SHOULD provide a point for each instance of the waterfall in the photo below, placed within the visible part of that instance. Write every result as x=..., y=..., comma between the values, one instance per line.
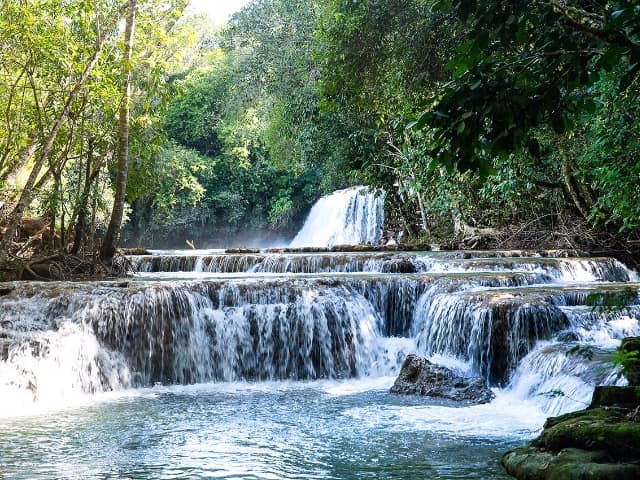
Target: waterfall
x=515, y=318
x=107, y=336
x=547, y=269
x=346, y=217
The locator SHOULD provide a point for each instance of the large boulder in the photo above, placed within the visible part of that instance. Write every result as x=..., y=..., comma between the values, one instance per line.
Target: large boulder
x=418, y=376
x=599, y=429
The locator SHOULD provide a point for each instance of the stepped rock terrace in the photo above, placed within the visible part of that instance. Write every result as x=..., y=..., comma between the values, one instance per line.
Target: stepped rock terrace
x=321, y=322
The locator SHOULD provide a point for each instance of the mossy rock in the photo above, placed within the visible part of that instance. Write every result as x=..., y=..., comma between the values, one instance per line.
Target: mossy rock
x=611, y=396
x=352, y=248
x=613, y=415
x=630, y=348
x=601, y=429
x=529, y=463
x=242, y=251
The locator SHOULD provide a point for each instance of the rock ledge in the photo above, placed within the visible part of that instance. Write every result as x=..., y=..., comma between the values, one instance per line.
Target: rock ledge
x=601, y=442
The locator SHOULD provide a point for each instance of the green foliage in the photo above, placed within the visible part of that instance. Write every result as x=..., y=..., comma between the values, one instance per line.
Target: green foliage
x=192, y=116
x=483, y=113
x=526, y=65
x=558, y=393
x=627, y=359
x=178, y=186
x=611, y=153
x=251, y=110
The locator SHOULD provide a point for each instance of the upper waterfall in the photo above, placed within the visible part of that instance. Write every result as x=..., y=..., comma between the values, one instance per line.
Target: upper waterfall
x=346, y=217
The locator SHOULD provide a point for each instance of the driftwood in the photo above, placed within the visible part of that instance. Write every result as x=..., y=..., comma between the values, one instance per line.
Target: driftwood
x=460, y=226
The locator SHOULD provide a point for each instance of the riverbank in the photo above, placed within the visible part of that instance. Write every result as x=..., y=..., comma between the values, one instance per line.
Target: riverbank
x=601, y=442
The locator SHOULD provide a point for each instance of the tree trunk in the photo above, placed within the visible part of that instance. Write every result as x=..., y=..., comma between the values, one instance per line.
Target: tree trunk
x=423, y=214
x=113, y=231
x=81, y=208
x=573, y=188
x=27, y=192
x=12, y=173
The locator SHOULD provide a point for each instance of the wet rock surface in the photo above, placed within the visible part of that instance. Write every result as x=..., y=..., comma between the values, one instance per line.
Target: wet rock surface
x=418, y=376
x=531, y=463
x=612, y=396
x=601, y=442
x=630, y=348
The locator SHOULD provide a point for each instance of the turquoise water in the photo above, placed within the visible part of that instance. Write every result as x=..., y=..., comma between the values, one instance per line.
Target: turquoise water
x=275, y=430
x=72, y=356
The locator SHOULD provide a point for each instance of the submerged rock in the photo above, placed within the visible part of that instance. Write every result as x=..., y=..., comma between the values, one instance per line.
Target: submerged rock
x=418, y=376
x=601, y=442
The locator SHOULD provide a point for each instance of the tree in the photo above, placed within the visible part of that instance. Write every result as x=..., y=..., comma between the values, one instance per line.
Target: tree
x=44, y=146
x=526, y=65
x=113, y=231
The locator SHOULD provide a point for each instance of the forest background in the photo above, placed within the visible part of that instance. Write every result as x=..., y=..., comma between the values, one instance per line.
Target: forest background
x=488, y=124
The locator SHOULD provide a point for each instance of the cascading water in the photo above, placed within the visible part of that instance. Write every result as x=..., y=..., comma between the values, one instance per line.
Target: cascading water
x=347, y=217
x=275, y=354
x=304, y=325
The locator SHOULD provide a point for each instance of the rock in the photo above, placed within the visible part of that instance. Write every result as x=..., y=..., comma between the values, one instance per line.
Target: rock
x=400, y=265
x=134, y=251
x=568, y=337
x=4, y=291
x=610, y=396
x=242, y=250
x=528, y=463
x=418, y=376
x=630, y=350
x=352, y=248
x=601, y=442
x=414, y=247
x=601, y=428
x=597, y=443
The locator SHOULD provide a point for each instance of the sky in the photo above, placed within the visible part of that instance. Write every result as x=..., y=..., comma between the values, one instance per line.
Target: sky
x=218, y=10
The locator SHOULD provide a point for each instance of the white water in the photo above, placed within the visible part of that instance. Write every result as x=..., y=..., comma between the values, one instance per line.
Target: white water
x=68, y=340
x=346, y=217
x=292, y=370
x=207, y=364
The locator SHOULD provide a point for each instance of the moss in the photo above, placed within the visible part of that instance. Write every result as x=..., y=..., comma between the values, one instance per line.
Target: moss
x=604, y=414
x=610, y=396
x=601, y=428
x=621, y=440
x=599, y=443
x=629, y=357
x=529, y=463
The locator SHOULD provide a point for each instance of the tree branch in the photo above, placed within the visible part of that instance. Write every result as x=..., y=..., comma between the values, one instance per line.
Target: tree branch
x=593, y=25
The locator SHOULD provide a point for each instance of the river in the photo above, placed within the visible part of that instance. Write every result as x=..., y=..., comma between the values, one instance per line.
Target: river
x=277, y=364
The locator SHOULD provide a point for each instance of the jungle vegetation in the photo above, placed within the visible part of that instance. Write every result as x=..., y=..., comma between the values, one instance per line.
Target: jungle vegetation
x=515, y=118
